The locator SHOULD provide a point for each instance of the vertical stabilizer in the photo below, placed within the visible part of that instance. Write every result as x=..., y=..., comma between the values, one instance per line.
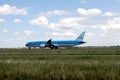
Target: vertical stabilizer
x=81, y=36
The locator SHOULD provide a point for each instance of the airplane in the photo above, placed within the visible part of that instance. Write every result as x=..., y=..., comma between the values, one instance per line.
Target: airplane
x=55, y=44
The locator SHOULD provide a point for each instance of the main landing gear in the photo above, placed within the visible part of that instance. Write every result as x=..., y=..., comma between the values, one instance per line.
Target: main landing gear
x=53, y=47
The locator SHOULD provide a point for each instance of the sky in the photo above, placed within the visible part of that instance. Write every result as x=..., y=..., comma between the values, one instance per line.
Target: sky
x=22, y=21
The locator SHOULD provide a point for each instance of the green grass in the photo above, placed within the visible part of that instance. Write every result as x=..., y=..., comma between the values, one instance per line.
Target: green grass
x=60, y=64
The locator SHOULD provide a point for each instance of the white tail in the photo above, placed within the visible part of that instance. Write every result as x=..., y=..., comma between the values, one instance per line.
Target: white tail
x=81, y=36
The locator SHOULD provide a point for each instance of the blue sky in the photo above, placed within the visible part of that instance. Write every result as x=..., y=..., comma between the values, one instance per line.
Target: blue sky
x=31, y=20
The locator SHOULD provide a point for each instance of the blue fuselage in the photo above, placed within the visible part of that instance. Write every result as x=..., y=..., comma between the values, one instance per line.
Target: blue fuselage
x=68, y=43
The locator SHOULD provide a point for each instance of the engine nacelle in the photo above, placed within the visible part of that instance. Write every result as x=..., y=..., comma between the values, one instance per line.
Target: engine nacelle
x=42, y=46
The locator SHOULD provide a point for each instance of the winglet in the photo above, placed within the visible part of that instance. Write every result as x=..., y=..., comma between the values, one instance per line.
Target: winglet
x=81, y=36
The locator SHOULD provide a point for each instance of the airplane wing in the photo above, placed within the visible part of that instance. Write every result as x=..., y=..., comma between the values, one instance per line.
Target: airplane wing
x=49, y=41
x=49, y=44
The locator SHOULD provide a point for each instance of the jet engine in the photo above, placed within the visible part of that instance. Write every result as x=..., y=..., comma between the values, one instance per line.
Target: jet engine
x=42, y=46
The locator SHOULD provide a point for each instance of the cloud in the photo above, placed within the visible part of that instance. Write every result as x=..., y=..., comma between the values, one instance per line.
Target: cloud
x=28, y=32
x=109, y=14
x=16, y=33
x=115, y=20
x=17, y=20
x=5, y=30
x=65, y=24
x=111, y=29
x=40, y=21
x=54, y=12
x=7, y=9
x=2, y=20
x=90, y=34
x=83, y=1
x=82, y=11
x=63, y=34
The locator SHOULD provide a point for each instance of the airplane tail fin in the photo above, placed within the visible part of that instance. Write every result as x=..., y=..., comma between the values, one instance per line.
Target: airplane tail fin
x=81, y=36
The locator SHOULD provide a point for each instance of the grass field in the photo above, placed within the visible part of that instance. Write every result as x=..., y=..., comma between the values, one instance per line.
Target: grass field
x=60, y=64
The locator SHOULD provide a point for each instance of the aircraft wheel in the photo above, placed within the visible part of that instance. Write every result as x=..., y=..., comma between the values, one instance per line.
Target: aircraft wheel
x=56, y=47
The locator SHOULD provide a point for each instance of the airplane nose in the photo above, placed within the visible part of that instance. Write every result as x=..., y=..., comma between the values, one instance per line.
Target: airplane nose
x=27, y=44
